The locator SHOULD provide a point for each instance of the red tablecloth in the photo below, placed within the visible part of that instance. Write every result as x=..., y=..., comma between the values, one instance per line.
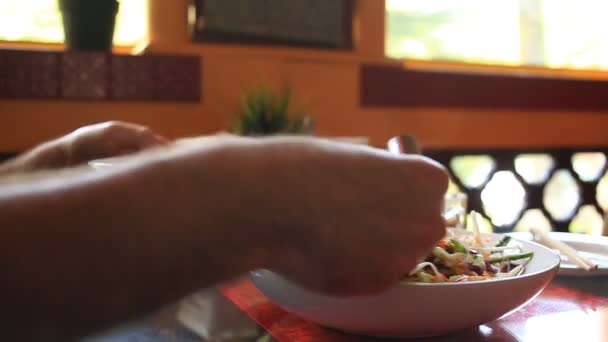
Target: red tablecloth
x=557, y=314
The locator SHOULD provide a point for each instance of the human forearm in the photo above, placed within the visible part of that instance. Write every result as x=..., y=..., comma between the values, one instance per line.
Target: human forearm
x=104, y=247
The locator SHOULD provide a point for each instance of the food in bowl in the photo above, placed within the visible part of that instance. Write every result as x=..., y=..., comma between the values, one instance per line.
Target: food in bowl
x=462, y=257
x=415, y=309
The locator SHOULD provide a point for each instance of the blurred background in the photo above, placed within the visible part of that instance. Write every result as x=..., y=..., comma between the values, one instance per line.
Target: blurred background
x=510, y=95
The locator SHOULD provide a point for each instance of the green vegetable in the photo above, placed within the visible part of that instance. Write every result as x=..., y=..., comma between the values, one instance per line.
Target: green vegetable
x=510, y=257
x=457, y=277
x=424, y=277
x=479, y=261
x=458, y=247
x=504, y=241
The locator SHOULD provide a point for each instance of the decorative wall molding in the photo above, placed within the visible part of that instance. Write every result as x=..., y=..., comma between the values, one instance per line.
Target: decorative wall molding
x=99, y=76
x=398, y=87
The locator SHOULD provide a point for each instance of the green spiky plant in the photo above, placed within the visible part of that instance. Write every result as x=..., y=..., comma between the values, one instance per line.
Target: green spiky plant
x=264, y=112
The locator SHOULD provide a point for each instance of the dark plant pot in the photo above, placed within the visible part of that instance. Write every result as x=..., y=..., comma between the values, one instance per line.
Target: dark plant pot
x=88, y=24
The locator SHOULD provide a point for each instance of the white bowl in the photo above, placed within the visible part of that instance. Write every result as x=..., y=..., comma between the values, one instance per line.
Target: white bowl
x=416, y=309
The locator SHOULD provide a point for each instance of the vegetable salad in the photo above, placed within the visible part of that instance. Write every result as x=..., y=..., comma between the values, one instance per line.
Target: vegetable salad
x=462, y=257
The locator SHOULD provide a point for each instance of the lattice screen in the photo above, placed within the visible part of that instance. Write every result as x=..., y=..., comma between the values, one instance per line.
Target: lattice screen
x=562, y=189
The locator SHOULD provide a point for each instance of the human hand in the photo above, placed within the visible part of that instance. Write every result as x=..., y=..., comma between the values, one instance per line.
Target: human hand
x=338, y=218
x=367, y=217
x=108, y=139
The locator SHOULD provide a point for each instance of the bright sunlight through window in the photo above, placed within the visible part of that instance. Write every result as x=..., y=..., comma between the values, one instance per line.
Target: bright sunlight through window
x=40, y=21
x=550, y=33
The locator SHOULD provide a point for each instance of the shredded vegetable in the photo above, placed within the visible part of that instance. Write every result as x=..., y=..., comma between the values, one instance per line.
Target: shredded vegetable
x=463, y=257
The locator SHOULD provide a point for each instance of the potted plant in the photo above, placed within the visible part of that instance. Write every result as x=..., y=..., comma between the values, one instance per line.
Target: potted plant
x=88, y=24
x=263, y=112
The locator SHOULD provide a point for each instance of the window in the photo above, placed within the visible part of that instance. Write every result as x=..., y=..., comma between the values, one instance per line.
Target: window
x=40, y=21
x=549, y=33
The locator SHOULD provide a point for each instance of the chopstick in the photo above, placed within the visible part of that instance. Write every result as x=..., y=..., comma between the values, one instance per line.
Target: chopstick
x=404, y=144
x=475, y=224
x=568, y=251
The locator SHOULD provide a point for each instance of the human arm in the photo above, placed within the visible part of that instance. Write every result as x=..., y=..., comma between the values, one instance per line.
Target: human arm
x=84, y=250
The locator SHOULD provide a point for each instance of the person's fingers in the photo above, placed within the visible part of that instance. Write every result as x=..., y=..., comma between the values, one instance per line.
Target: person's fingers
x=129, y=136
x=161, y=139
x=145, y=138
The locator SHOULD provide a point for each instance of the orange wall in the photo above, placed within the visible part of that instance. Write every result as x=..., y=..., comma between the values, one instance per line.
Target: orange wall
x=326, y=82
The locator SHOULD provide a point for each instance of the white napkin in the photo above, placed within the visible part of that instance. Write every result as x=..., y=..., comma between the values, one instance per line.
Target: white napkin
x=213, y=317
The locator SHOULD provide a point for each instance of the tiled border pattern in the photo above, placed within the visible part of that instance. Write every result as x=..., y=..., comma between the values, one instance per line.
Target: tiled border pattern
x=99, y=76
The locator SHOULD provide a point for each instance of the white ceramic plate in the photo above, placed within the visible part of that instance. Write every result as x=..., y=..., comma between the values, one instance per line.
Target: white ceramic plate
x=415, y=309
x=594, y=248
